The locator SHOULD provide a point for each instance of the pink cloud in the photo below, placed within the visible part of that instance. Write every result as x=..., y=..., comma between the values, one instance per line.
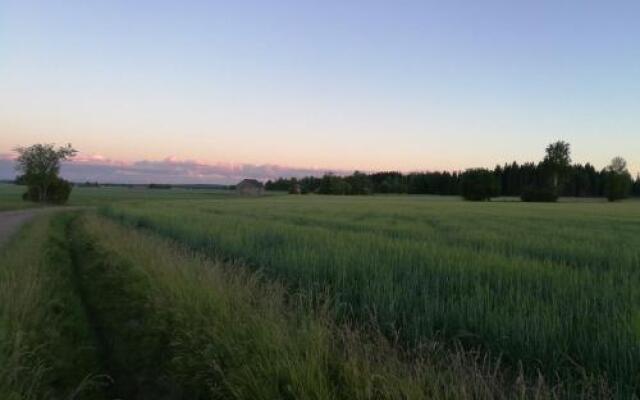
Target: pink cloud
x=95, y=167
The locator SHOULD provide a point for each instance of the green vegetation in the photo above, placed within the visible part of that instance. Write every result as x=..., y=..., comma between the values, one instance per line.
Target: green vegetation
x=96, y=310
x=46, y=347
x=98, y=196
x=183, y=327
x=544, y=181
x=11, y=195
x=554, y=286
x=40, y=167
x=479, y=184
x=618, y=183
x=11, y=198
x=407, y=297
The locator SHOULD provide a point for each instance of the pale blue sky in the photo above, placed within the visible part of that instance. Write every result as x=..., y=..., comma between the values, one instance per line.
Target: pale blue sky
x=328, y=84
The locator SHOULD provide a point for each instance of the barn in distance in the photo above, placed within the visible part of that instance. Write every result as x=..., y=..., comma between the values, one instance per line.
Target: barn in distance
x=250, y=187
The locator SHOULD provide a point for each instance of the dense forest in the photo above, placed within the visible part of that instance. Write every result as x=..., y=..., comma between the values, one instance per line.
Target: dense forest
x=574, y=180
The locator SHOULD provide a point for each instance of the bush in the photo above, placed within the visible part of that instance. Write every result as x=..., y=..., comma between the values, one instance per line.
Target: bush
x=617, y=186
x=539, y=194
x=57, y=193
x=479, y=184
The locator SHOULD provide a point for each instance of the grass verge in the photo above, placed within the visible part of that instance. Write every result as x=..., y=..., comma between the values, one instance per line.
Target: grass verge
x=46, y=346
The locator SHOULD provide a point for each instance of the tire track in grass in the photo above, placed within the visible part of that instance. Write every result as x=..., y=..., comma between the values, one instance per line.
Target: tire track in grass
x=114, y=297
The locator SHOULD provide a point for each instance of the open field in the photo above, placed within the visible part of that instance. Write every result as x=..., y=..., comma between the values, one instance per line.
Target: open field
x=94, y=310
x=554, y=286
x=11, y=198
x=407, y=297
x=10, y=195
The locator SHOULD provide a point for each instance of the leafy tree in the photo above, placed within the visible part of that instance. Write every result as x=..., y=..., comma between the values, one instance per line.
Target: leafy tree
x=636, y=186
x=280, y=184
x=618, y=181
x=479, y=184
x=58, y=192
x=40, y=166
x=557, y=161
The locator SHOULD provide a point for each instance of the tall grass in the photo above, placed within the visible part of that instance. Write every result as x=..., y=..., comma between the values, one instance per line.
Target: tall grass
x=46, y=348
x=182, y=326
x=554, y=287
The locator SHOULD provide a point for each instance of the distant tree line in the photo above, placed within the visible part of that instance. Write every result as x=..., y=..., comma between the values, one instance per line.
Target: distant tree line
x=546, y=180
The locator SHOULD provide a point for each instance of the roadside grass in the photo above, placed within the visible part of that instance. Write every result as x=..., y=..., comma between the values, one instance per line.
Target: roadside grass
x=178, y=325
x=552, y=287
x=46, y=347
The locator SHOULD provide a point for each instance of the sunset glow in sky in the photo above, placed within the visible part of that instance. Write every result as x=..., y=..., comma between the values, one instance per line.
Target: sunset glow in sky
x=302, y=86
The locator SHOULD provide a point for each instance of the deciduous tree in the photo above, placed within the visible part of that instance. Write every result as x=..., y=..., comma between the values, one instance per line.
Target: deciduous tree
x=40, y=166
x=618, y=181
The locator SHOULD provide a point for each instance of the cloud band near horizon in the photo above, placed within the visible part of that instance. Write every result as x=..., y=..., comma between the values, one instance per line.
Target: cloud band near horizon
x=168, y=170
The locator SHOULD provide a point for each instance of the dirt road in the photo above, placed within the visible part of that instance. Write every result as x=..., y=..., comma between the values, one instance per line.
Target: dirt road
x=11, y=221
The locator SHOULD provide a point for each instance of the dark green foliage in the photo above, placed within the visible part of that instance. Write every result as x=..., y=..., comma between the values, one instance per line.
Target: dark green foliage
x=359, y=183
x=294, y=187
x=539, y=193
x=389, y=182
x=40, y=166
x=479, y=184
x=20, y=180
x=441, y=183
x=58, y=192
x=556, y=163
x=636, y=186
x=618, y=182
x=552, y=177
x=617, y=186
x=281, y=184
x=333, y=184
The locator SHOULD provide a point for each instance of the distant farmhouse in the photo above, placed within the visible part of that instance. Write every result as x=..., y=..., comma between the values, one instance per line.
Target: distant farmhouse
x=250, y=187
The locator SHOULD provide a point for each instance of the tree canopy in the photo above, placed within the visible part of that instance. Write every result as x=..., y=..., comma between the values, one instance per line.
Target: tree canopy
x=40, y=166
x=479, y=184
x=546, y=180
x=618, y=181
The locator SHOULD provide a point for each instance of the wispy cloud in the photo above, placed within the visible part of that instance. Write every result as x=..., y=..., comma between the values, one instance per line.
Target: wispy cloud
x=170, y=170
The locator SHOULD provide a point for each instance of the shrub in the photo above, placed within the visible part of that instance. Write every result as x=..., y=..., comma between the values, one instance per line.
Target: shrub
x=617, y=186
x=57, y=193
x=479, y=184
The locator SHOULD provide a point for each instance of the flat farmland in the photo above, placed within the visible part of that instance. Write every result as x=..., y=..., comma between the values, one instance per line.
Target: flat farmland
x=550, y=288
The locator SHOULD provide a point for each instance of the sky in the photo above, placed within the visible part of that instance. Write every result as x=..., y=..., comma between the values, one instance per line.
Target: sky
x=207, y=91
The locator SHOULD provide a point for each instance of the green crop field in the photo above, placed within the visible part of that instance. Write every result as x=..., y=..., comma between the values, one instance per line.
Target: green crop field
x=190, y=294
x=554, y=286
x=10, y=195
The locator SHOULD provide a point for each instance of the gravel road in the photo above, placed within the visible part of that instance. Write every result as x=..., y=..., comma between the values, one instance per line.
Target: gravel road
x=11, y=221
